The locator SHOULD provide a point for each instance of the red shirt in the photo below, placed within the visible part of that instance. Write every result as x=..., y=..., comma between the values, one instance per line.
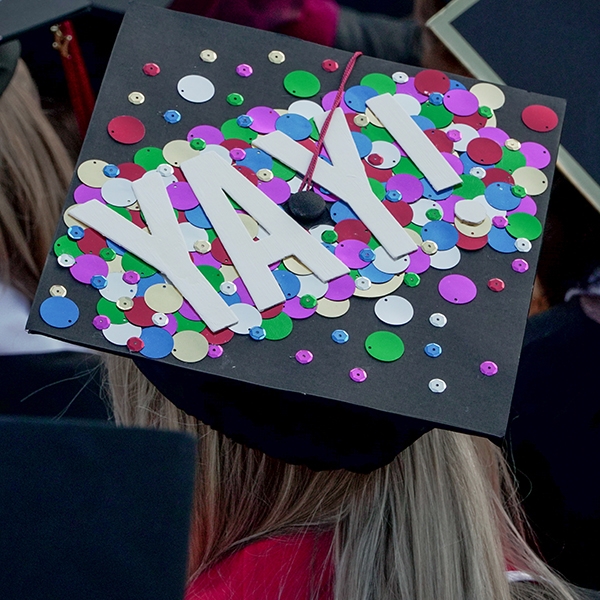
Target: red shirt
x=281, y=568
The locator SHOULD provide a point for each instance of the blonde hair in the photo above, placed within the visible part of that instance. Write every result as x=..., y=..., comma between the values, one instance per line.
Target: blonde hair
x=35, y=170
x=440, y=521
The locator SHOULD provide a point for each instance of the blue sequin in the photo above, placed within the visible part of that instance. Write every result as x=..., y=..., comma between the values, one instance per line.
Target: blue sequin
x=367, y=255
x=356, y=96
x=145, y=282
x=99, y=282
x=288, y=282
x=231, y=299
x=75, y=232
x=436, y=99
x=363, y=144
x=172, y=116
x=340, y=211
x=500, y=196
x=257, y=333
x=339, y=336
x=111, y=170
x=393, y=196
x=118, y=249
x=244, y=120
x=433, y=350
x=197, y=217
x=59, y=312
x=256, y=159
x=295, y=126
x=158, y=342
x=430, y=193
x=501, y=241
x=443, y=234
x=423, y=122
x=374, y=274
x=456, y=85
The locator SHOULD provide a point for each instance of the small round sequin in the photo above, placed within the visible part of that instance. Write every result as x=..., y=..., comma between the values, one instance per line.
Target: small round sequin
x=59, y=312
x=522, y=244
x=437, y=386
x=488, y=368
x=362, y=283
x=304, y=356
x=75, y=232
x=160, y=319
x=215, y=351
x=412, y=279
x=496, y=285
x=384, y=346
x=131, y=277
x=195, y=88
x=308, y=301
x=65, y=260
x=235, y=99
x=126, y=130
x=244, y=70
x=237, y=154
x=519, y=191
x=361, y=120
x=165, y=170
x=486, y=111
x=276, y=57
x=438, y=320
x=375, y=159
x=136, y=98
x=244, y=121
x=393, y=196
x=228, y=288
x=172, y=116
x=264, y=174
x=197, y=144
x=208, y=56
x=478, y=172
x=429, y=247
x=151, y=69
x=111, y=170
x=202, y=246
x=101, y=322
x=135, y=344
x=454, y=135
x=357, y=374
x=366, y=255
x=58, y=290
x=340, y=336
x=433, y=350
x=512, y=144
x=519, y=265
x=400, y=77
x=125, y=303
x=499, y=221
x=330, y=65
x=257, y=333
x=99, y=282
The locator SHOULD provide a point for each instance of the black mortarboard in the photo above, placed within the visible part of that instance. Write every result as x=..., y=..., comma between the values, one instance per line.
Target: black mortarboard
x=410, y=311
x=93, y=511
x=546, y=46
x=20, y=16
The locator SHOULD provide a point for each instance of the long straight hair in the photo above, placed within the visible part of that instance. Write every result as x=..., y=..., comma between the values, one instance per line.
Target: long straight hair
x=441, y=521
x=35, y=170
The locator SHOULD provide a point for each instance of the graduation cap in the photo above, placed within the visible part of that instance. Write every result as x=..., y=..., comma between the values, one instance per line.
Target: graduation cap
x=548, y=47
x=93, y=511
x=20, y=16
x=331, y=334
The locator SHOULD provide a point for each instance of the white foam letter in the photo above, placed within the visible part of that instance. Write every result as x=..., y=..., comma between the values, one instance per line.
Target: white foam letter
x=346, y=178
x=164, y=247
x=209, y=176
x=414, y=142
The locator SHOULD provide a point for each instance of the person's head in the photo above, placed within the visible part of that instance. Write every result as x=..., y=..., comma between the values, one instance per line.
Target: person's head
x=441, y=521
x=35, y=171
